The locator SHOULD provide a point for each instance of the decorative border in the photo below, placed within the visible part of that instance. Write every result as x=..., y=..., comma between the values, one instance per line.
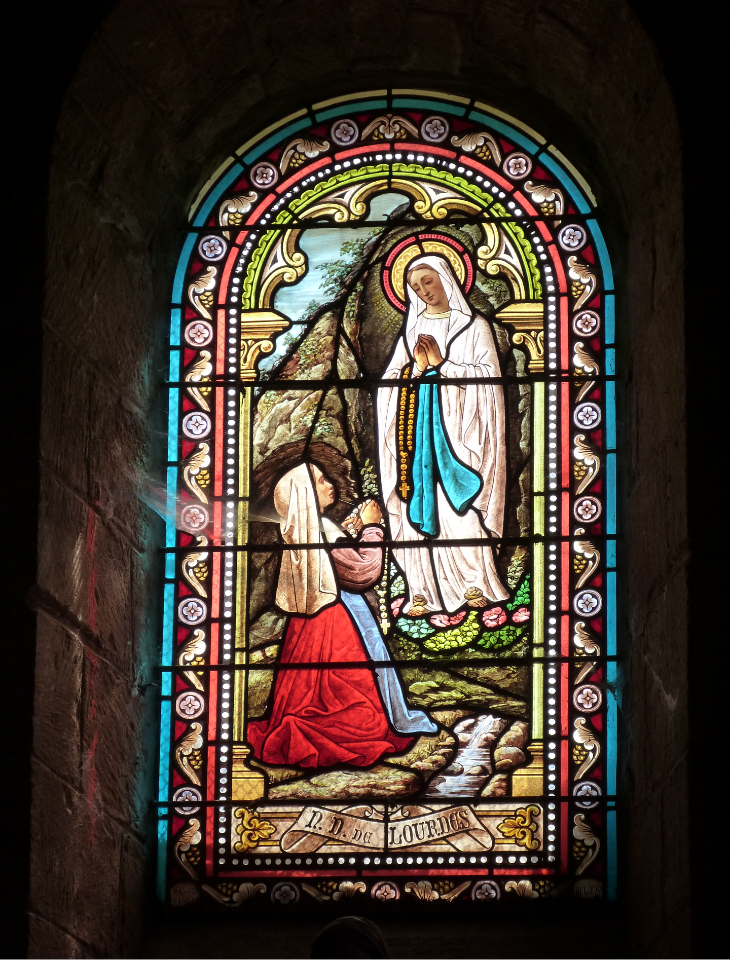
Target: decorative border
x=244, y=228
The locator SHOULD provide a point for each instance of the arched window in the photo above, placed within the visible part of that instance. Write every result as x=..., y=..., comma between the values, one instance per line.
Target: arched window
x=389, y=643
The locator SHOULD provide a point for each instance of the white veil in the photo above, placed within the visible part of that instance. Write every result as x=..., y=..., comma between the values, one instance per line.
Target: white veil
x=306, y=578
x=418, y=320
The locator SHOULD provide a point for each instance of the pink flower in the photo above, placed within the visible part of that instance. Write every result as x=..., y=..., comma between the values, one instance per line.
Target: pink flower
x=444, y=620
x=519, y=616
x=494, y=618
x=396, y=605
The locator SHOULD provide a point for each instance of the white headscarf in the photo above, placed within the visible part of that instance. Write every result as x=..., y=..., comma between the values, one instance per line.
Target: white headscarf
x=306, y=579
x=419, y=321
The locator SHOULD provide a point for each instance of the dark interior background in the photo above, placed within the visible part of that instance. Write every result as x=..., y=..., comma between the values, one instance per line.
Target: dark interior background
x=44, y=43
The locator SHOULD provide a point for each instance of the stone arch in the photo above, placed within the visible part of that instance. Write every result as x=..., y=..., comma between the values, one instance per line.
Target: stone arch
x=160, y=94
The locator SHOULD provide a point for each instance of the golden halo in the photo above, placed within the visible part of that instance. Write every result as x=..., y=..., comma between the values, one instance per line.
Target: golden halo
x=415, y=250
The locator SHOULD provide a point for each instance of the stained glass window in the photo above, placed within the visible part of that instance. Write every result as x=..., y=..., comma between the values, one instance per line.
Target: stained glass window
x=389, y=639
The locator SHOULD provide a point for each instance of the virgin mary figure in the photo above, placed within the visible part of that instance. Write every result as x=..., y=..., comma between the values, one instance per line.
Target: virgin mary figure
x=330, y=705
x=442, y=445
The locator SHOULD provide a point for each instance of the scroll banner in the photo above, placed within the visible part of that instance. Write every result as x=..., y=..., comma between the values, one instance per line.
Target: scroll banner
x=415, y=826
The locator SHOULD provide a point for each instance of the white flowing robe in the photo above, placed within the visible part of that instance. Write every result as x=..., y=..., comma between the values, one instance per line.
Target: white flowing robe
x=473, y=417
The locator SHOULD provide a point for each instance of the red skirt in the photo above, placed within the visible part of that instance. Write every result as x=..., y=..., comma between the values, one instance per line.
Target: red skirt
x=322, y=716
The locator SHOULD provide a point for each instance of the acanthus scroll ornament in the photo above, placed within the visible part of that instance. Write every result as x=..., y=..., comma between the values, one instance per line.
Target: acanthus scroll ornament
x=199, y=372
x=192, y=650
x=585, y=739
x=301, y=149
x=584, y=282
x=187, y=751
x=586, y=645
x=189, y=837
x=551, y=199
x=481, y=144
x=586, y=559
x=200, y=292
x=423, y=890
x=585, y=640
x=587, y=465
x=245, y=892
x=194, y=570
x=233, y=210
x=389, y=127
x=523, y=888
x=583, y=831
x=584, y=364
x=198, y=461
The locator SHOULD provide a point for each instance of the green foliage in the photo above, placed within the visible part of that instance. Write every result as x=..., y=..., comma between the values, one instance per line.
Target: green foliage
x=496, y=290
x=461, y=636
x=326, y=426
x=517, y=565
x=414, y=628
x=312, y=347
x=522, y=597
x=397, y=587
x=370, y=489
x=336, y=272
x=498, y=639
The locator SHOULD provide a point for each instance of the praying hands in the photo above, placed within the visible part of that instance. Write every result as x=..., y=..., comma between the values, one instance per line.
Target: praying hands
x=426, y=352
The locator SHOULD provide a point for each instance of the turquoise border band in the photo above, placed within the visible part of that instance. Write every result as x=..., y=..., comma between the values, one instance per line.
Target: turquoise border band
x=571, y=186
x=350, y=108
x=611, y=493
x=610, y=361
x=611, y=855
x=611, y=613
x=609, y=313
x=226, y=180
x=182, y=265
x=162, y=831
x=168, y=620
x=416, y=104
x=602, y=254
x=175, y=316
x=611, y=726
x=610, y=415
x=172, y=424
x=506, y=131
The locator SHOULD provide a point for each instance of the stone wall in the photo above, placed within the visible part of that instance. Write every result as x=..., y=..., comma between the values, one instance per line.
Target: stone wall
x=164, y=91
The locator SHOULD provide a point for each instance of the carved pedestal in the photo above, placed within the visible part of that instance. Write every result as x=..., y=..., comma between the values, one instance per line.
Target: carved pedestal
x=528, y=781
x=246, y=784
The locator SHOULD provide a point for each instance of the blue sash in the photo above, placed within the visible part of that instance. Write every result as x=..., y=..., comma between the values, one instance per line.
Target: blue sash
x=434, y=461
x=403, y=718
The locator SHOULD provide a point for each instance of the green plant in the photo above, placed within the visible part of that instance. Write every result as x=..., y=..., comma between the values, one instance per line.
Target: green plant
x=397, y=587
x=522, y=597
x=414, y=628
x=370, y=488
x=498, y=639
x=461, y=636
